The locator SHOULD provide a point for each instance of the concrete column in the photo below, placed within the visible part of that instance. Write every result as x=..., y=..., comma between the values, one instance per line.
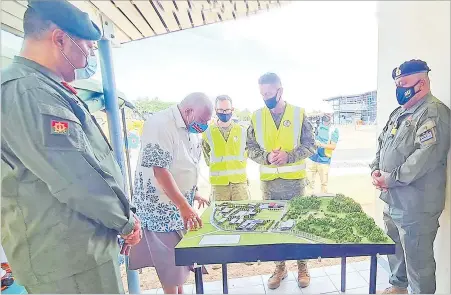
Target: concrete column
x=416, y=30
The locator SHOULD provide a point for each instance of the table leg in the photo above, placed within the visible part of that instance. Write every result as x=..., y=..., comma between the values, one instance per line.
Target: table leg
x=343, y=274
x=198, y=280
x=225, y=287
x=373, y=274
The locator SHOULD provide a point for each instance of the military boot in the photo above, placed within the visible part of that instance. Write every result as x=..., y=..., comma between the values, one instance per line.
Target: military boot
x=279, y=274
x=303, y=274
x=394, y=290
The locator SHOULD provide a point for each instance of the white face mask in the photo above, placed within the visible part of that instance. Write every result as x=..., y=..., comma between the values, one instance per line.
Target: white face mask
x=87, y=71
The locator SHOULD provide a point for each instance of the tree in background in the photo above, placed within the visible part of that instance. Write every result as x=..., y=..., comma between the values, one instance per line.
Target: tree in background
x=244, y=115
x=152, y=105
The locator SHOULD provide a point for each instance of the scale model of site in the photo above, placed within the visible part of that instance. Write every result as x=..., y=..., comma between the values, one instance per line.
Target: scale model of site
x=317, y=219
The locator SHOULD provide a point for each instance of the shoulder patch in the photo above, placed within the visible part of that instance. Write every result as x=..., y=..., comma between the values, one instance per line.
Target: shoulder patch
x=426, y=136
x=60, y=127
x=426, y=133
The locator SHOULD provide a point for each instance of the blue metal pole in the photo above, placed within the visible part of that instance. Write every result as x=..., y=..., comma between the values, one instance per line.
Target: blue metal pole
x=343, y=274
x=114, y=126
x=373, y=274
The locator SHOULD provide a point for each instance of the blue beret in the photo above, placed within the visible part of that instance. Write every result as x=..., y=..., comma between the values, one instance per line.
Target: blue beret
x=67, y=17
x=410, y=67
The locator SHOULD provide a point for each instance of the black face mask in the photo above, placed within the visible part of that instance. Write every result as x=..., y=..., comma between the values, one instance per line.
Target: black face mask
x=404, y=94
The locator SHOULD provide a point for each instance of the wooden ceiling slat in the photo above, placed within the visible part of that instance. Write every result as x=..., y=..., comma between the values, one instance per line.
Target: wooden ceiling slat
x=22, y=2
x=253, y=5
x=118, y=18
x=264, y=5
x=12, y=21
x=133, y=14
x=94, y=15
x=136, y=19
x=91, y=10
x=167, y=14
x=210, y=16
x=195, y=13
x=241, y=8
x=14, y=8
x=226, y=10
x=182, y=14
x=151, y=16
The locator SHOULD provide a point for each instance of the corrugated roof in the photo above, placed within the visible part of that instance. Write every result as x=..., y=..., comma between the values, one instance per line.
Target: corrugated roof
x=138, y=19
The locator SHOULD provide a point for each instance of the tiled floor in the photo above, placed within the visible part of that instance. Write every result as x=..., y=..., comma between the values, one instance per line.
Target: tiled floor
x=325, y=280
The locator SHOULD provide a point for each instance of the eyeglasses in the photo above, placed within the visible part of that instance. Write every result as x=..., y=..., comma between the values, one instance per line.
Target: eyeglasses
x=224, y=111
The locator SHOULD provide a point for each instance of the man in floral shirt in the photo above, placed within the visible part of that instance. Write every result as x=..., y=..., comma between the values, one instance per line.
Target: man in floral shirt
x=166, y=186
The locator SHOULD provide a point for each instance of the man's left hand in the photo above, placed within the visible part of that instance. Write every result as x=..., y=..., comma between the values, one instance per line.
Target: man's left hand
x=202, y=201
x=135, y=237
x=381, y=181
x=280, y=158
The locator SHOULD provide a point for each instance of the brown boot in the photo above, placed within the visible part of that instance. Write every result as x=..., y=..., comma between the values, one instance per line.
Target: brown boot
x=279, y=274
x=394, y=290
x=303, y=275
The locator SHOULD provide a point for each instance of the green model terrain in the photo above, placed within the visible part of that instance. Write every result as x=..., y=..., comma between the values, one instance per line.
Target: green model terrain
x=326, y=220
x=338, y=219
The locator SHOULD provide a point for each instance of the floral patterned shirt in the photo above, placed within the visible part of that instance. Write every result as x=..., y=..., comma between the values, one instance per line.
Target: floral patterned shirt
x=166, y=143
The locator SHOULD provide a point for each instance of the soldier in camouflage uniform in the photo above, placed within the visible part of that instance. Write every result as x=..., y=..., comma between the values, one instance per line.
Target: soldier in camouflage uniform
x=278, y=188
x=410, y=170
x=233, y=190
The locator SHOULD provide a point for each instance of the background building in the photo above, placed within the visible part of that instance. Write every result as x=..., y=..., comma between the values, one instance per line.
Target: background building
x=351, y=108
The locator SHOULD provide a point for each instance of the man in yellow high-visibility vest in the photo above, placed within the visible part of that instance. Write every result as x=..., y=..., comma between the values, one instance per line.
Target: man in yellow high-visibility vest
x=280, y=138
x=224, y=147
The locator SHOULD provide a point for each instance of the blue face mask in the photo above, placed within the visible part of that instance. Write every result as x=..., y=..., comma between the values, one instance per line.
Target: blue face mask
x=197, y=127
x=404, y=94
x=88, y=70
x=272, y=102
x=224, y=117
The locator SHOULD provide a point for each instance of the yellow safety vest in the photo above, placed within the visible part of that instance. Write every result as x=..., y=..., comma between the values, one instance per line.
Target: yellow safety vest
x=227, y=159
x=286, y=137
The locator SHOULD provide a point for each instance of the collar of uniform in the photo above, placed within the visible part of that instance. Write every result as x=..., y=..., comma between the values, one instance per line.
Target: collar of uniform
x=37, y=67
x=232, y=124
x=178, y=117
x=418, y=104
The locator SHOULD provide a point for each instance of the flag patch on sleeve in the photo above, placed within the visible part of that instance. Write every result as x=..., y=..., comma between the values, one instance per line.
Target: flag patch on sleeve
x=426, y=135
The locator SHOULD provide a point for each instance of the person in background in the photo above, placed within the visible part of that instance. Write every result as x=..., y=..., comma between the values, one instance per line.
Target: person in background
x=326, y=141
x=280, y=138
x=7, y=278
x=62, y=202
x=410, y=170
x=224, y=147
x=165, y=186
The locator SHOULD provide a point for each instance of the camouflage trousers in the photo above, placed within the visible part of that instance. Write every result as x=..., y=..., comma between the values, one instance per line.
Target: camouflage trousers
x=281, y=264
x=283, y=189
x=230, y=192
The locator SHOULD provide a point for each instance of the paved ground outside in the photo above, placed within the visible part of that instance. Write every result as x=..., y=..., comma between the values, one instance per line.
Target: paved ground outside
x=324, y=280
x=349, y=174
